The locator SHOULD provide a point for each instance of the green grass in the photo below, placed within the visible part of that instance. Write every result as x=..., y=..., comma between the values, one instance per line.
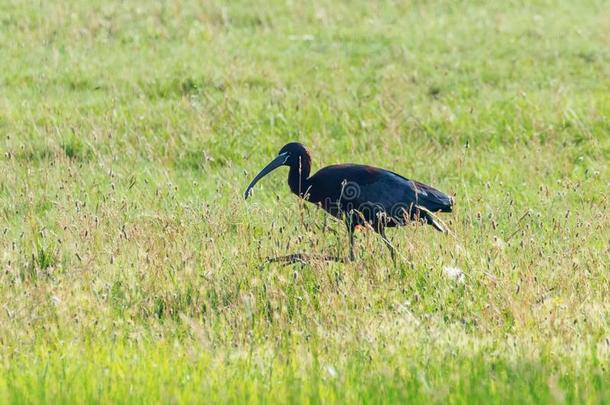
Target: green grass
x=132, y=270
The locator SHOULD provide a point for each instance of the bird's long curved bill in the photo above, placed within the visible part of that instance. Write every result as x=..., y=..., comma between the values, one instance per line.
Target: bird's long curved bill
x=274, y=164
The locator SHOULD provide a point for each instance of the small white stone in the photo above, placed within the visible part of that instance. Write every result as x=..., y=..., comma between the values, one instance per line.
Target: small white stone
x=499, y=243
x=331, y=371
x=454, y=273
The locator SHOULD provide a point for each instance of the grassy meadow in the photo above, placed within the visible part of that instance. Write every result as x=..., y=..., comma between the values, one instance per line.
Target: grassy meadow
x=133, y=271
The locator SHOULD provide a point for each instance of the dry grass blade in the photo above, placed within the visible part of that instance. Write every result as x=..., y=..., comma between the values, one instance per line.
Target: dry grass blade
x=305, y=258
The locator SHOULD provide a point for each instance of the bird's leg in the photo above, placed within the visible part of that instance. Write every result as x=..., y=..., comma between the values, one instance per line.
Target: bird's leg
x=381, y=232
x=351, y=226
x=351, y=244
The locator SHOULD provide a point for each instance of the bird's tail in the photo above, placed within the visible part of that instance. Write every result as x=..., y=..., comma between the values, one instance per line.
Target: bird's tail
x=432, y=199
x=432, y=219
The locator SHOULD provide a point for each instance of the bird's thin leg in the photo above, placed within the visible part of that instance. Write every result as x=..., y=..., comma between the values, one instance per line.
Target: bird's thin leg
x=351, y=244
x=351, y=226
x=387, y=243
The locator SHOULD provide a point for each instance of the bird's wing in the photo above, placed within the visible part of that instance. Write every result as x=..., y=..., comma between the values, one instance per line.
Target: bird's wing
x=398, y=200
x=389, y=194
x=388, y=188
x=371, y=191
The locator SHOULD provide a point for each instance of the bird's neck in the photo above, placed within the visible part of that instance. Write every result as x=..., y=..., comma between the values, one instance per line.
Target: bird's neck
x=298, y=178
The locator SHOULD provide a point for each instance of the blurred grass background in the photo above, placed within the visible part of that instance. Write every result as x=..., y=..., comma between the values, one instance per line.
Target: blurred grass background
x=133, y=271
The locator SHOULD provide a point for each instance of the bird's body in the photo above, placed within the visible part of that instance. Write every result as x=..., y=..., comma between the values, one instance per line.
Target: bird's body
x=360, y=194
x=378, y=197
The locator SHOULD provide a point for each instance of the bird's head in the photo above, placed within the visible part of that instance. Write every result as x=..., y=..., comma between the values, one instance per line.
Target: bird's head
x=296, y=152
x=292, y=154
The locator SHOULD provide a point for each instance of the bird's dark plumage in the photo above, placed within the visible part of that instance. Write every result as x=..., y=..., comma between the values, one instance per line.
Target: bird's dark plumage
x=361, y=194
x=376, y=193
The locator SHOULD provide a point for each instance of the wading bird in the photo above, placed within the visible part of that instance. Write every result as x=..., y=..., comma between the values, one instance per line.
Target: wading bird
x=360, y=195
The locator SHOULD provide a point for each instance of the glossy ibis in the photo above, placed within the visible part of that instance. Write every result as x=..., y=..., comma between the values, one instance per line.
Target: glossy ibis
x=360, y=195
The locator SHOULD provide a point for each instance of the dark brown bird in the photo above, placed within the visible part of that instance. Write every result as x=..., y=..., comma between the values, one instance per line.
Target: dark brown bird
x=360, y=195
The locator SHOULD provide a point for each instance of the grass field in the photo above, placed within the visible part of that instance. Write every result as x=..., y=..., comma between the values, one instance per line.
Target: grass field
x=133, y=271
